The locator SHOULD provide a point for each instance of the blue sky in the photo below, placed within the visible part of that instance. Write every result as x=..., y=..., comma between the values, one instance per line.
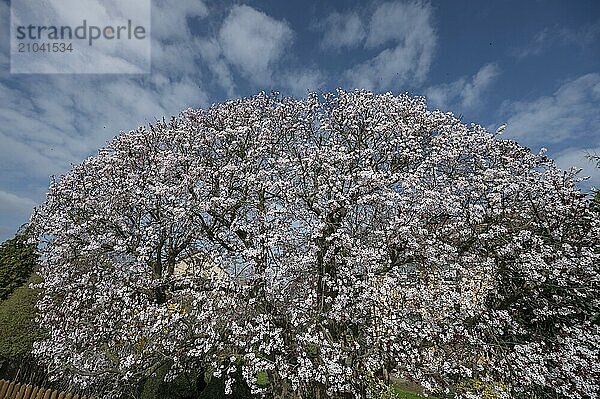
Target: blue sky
x=534, y=65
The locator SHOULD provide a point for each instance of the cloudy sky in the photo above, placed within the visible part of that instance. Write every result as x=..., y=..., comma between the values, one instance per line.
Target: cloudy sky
x=534, y=65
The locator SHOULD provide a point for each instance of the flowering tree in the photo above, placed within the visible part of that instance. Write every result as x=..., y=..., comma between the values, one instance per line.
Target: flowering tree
x=313, y=248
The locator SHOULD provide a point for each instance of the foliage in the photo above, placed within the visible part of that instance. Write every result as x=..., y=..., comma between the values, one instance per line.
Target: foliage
x=596, y=202
x=18, y=329
x=17, y=317
x=184, y=385
x=262, y=379
x=321, y=241
x=17, y=261
x=480, y=389
x=18, y=332
x=188, y=385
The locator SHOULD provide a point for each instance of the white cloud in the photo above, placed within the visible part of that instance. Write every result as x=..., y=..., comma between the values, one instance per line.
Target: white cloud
x=570, y=114
x=341, y=30
x=397, y=21
x=577, y=158
x=211, y=53
x=5, y=30
x=253, y=42
x=13, y=204
x=177, y=58
x=170, y=18
x=14, y=211
x=466, y=92
x=52, y=123
x=583, y=37
x=407, y=29
x=566, y=122
x=303, y=81
x=174, y=47
x=473, y=90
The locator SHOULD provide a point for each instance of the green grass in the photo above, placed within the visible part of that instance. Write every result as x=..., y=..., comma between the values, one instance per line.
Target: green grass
x=402, y=394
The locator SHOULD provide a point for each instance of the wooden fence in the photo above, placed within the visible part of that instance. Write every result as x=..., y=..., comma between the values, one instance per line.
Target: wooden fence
x=12, y=390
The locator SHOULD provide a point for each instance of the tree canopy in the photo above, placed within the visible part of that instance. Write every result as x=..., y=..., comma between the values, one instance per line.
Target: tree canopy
x=314, y=247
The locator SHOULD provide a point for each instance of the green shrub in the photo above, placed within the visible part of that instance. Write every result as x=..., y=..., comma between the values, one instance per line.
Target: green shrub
x=262, y=379
x=482, y=389
x=190, y=386
x=216, y=390
x=596, y=202
x=18, y=332
x=184, y=386
x=17, y=318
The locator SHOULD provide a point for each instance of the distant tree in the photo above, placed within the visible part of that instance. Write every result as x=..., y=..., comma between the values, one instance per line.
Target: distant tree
x=17, y=261
x=357, y=236
x=18, y=328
